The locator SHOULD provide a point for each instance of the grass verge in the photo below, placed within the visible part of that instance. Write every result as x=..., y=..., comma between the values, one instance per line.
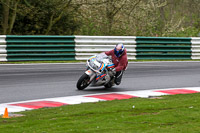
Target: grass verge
x=174, y=114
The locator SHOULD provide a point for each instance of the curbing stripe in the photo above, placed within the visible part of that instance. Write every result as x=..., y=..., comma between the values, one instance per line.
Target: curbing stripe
x=75, y=99
x=39, y=104
x=12, y=108
x=177, y=91
x=56, y=102
x=112, y=96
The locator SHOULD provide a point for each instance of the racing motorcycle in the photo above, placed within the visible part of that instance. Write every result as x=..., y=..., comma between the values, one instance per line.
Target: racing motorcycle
x=98, y=72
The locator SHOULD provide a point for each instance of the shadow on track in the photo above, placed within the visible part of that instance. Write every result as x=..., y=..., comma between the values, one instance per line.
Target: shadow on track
x=103, y=89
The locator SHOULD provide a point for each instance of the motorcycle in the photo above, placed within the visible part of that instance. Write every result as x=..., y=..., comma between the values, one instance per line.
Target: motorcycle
x=98, y=72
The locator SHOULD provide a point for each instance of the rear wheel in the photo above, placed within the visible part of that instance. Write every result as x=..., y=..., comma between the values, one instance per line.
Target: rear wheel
x=83, y=82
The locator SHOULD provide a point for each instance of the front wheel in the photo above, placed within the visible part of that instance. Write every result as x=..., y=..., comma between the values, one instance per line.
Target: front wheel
x=83, y=82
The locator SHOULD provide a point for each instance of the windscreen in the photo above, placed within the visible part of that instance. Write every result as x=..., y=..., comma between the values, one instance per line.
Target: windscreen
x=96, y=62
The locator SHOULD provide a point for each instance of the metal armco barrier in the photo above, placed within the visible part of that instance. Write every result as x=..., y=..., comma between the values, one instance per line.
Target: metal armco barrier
x=51, y=48
x=37, y=48
x=163, y=48
x=87, y=46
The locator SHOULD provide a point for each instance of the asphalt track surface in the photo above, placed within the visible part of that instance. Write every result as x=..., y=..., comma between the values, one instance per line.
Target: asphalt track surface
x=38, y=81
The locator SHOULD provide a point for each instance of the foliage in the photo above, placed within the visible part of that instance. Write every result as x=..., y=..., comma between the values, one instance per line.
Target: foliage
x=100, y=17
x=186, y=32
x=45, y=17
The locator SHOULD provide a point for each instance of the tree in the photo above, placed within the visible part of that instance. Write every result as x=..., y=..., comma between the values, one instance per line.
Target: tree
x=9, y=11
x=100, y=17
x=38, y=17
x=104, y=17
x=5, y=15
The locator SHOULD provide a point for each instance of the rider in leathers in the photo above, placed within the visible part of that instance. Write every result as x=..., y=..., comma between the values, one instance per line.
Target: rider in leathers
x=119, y=58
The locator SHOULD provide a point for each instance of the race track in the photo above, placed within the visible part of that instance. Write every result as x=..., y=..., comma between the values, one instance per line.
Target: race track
x=37, y=81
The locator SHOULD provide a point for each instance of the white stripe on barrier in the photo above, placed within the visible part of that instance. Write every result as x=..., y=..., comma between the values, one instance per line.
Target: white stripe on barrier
x=85, y=56
x=103, y=46
x=3, y=57
x=195, y=48
x=105, y=37
x=2, y=39
x=114, y=42
x=97, y=44
x=100, y=50
x=91, y=54
x=195, y=40
x=3, y=51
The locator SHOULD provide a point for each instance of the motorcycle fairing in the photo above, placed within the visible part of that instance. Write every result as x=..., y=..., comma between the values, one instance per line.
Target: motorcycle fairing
x=111, y=66
x=100, y=76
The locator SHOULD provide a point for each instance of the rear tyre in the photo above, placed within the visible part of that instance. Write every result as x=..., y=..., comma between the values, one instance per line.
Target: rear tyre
x=83, y=82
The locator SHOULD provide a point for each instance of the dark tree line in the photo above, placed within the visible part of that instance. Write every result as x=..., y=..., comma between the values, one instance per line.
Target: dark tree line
x=100, y=17
x=38, y=17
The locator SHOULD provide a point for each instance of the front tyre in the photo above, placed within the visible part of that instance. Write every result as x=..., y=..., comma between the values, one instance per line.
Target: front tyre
x=83, y=82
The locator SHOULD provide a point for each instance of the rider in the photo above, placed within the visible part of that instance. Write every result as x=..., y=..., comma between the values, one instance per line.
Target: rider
x=119, y=58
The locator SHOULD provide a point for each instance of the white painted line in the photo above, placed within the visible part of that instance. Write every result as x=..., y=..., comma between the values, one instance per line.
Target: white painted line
x=143, y=94
x=12, y=109
x=74, y=99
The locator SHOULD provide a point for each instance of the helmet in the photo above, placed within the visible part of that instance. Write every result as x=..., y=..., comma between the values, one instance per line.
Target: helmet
x=119, y=49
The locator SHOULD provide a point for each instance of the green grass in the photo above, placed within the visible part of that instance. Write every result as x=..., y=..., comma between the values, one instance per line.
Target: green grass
x=171, y=114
